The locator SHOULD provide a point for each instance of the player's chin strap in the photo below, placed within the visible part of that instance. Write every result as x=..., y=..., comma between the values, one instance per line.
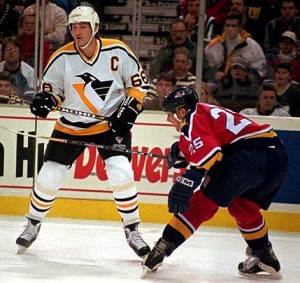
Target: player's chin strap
x=61, y=109
x=119, y=148
x=92, y=35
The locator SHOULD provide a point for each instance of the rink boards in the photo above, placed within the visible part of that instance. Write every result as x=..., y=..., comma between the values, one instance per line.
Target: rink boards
x=86, y=192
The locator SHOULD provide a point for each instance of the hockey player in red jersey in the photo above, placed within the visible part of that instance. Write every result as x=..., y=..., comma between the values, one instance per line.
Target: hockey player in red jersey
x=237, y=163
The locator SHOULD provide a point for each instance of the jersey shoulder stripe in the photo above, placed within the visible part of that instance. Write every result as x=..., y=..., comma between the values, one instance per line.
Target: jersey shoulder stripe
x=68, y=49
x=109, y=42
x=108, y=45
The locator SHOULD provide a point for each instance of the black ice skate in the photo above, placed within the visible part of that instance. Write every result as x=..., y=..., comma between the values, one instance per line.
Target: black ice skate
x=266, y=263
x=135, y=240
x=155, y=258
x=29, y=235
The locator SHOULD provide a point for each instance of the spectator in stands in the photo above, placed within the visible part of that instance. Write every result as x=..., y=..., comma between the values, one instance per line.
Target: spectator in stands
x=206, y=95
x=60, y=3
x=215, y=9
x=239, y=89
x=165, y=83
x=234, y=42
x=71, y=4
x=9, y=17
x=288, y=92
x=255, y=16
x=19, y=5
x=55, y=24
x=6, y=88
x=27, y=37
x=192, y=19
x=298, y=49
x=179, y=35
x=22, y=73
x=275, y=9
x=287, y=53
x=1, y=50
x=267, y=102
x=274, y=29
x=182, y=63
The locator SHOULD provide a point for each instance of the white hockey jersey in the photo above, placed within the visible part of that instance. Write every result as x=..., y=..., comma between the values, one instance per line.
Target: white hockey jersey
x=97, y=84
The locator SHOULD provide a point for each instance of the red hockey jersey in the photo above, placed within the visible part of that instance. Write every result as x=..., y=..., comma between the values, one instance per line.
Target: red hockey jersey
x=210, y=128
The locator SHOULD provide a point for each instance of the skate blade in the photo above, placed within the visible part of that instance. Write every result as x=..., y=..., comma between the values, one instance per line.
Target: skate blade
x=21, y=250
x=146, y=273
x=272, y=272
x=262, y=276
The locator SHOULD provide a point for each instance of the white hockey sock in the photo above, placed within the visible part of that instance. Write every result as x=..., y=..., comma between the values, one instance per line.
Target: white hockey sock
x=120, y=176
x=127, y=205
x=43, y=195
x=40, y=204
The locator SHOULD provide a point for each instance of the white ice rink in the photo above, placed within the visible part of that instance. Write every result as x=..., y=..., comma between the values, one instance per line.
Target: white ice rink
x=76, y=251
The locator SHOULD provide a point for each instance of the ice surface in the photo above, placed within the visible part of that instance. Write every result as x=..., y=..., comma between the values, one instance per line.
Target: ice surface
x=73, y=251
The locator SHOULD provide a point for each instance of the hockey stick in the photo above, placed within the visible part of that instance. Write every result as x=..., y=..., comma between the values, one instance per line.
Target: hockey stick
x=61, y=109
x=82, y=143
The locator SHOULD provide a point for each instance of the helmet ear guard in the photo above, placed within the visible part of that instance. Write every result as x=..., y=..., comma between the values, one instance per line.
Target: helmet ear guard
x=180, y=97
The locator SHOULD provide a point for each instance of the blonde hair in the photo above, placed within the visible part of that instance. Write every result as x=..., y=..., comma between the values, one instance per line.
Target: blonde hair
x=210, y=97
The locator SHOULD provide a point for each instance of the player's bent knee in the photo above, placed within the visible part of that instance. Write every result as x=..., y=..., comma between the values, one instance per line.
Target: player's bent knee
x=243, y=210
x=52, y=175
x=118, y=170
x=203, y=207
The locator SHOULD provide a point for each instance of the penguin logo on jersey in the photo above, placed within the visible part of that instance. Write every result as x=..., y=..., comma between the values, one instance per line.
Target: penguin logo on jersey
x=101, y=88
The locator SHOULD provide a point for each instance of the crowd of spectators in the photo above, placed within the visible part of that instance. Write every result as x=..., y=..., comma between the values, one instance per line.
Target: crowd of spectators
x=17, y=41
x=20, y=72
x=245, y=43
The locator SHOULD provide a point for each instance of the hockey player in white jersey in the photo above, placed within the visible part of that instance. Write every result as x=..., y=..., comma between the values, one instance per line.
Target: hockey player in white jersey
x=101, y=76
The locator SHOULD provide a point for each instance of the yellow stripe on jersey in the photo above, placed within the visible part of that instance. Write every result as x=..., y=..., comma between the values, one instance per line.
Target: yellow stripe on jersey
x=80, y=90
x=180, y=227
x=96, y=129
x=138, y=95
x=66, y=48
x=217, y=157
x=106, y=42
x=270, y=134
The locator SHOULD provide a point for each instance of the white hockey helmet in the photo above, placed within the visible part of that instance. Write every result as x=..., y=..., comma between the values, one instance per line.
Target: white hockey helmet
x=84, y=14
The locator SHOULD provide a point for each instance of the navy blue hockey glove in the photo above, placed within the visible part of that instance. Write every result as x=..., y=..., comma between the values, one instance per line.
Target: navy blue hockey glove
x=43, y=102
x=123, y=119
x=182, y=190
x=174, y=158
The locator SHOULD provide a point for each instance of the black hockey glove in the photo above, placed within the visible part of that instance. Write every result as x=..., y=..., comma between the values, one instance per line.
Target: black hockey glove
x=174, y=158
x=182, y=190
x=43, y=102
x=123, y=119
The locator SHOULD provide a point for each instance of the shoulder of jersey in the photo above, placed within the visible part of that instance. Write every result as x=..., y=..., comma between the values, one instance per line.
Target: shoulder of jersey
x=69, y=48
x=109, y=43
